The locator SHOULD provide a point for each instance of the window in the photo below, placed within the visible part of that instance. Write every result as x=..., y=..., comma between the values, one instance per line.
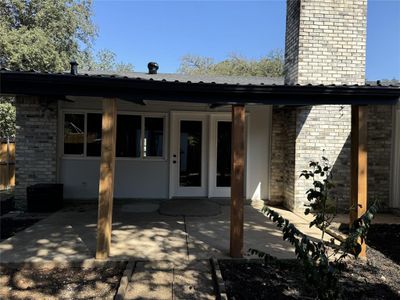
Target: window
x=137, y=136
x=128, y=136
x=153, y=137
x=93, y=135
x=74, y=130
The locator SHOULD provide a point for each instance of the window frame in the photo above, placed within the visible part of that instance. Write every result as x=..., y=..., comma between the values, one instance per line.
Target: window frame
x=142, y=116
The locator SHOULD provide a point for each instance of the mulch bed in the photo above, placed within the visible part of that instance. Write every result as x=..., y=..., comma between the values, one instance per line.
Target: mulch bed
x=382, y=237
x=377, y=278
x=100, y=282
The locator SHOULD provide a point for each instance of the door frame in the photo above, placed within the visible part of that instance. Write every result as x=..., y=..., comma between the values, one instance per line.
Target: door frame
x=213, y=190
x=174, y=189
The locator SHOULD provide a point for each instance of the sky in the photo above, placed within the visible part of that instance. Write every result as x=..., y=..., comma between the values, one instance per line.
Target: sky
x=164, y=31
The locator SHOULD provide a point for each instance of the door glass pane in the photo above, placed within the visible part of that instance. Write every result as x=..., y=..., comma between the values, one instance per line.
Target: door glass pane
x=74, y=130
x=224, y=154
x=93, y=137
x=128, y=136
x=190, y=153
x=153, y=137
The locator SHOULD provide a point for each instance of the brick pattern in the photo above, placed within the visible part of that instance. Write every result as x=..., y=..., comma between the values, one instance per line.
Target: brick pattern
x=380, y=128
x=278, y=152
x=325, y=44
x=323, y=131
x=325, y=41
x=282, y=156
x=36, y=145
x=292, y=41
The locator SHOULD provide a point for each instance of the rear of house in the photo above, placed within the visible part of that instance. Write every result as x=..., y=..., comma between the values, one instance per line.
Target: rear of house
x=168, y=149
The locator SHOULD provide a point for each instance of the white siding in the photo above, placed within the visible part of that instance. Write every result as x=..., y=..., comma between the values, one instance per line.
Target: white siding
x=150, y=178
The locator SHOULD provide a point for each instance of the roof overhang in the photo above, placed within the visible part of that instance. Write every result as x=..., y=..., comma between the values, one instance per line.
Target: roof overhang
x=137, y=89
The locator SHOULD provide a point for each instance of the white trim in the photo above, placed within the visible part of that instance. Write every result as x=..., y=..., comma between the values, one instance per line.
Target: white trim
x=174, y=189
x=213, y=190
x=141, y=114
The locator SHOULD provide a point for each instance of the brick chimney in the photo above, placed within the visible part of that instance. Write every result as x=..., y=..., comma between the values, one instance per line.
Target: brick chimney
x=325, y=41
x=325, y=44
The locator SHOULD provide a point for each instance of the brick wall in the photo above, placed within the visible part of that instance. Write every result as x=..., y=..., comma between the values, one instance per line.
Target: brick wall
x=282, y=156
x=380, y=128
x=323, y=131
x=36, y=144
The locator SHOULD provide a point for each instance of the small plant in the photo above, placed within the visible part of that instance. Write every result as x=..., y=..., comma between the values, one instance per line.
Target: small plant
x=320, y=201
x=322, y=261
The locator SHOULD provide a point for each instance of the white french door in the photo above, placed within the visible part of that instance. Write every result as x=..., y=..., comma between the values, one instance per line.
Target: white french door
x=188, y=155
x=220, y=155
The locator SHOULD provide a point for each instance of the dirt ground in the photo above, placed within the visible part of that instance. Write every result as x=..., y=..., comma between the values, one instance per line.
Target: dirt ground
x=376, y=278
x=100, y=282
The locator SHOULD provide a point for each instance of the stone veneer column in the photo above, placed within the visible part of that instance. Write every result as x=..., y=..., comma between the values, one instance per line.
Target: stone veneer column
x=36, y=144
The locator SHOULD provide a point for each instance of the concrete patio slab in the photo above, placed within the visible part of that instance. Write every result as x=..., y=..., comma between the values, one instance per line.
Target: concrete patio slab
x=70, y=235
x=190, y=207
x=45, y=242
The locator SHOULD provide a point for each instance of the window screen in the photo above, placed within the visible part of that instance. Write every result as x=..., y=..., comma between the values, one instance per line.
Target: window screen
x=93, y=137
x=128, y=136
x=74, y=130
x=153, y=137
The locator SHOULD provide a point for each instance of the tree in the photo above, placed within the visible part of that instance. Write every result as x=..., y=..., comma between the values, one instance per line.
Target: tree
x=44, y=34
x=7, y=120
x=270, y=65
x=104, y=60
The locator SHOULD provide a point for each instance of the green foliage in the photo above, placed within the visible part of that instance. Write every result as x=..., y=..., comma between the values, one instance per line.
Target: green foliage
x=318, y=195
x=44, y=34
x=267, y=66
x=7, y=120
x=105, y=60
x=322, y=261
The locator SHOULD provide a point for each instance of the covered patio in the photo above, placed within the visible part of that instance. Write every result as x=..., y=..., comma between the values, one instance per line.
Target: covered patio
x=113, y=236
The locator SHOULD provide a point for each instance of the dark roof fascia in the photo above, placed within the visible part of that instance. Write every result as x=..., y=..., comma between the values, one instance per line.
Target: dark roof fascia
x=136, y=89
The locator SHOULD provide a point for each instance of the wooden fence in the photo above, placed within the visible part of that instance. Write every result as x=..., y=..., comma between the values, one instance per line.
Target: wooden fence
x=7, y=165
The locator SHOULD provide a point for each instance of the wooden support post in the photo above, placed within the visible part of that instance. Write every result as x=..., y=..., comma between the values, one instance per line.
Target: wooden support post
x=106, y=181
x=358, y=205
x=237, y=180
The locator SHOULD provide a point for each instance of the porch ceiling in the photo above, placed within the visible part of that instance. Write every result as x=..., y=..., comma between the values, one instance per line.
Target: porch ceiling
x=139, y=88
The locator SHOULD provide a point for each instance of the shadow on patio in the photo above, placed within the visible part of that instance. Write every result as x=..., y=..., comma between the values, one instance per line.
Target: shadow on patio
x=70, y=235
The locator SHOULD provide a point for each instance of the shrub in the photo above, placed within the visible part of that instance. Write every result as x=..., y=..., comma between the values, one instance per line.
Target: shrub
x=322, y=261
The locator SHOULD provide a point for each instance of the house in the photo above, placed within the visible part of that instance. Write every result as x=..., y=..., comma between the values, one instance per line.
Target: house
x=168, y=135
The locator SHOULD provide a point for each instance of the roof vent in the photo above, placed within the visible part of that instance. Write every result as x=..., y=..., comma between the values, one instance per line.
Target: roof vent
x=74, y=68
x=153, y=67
